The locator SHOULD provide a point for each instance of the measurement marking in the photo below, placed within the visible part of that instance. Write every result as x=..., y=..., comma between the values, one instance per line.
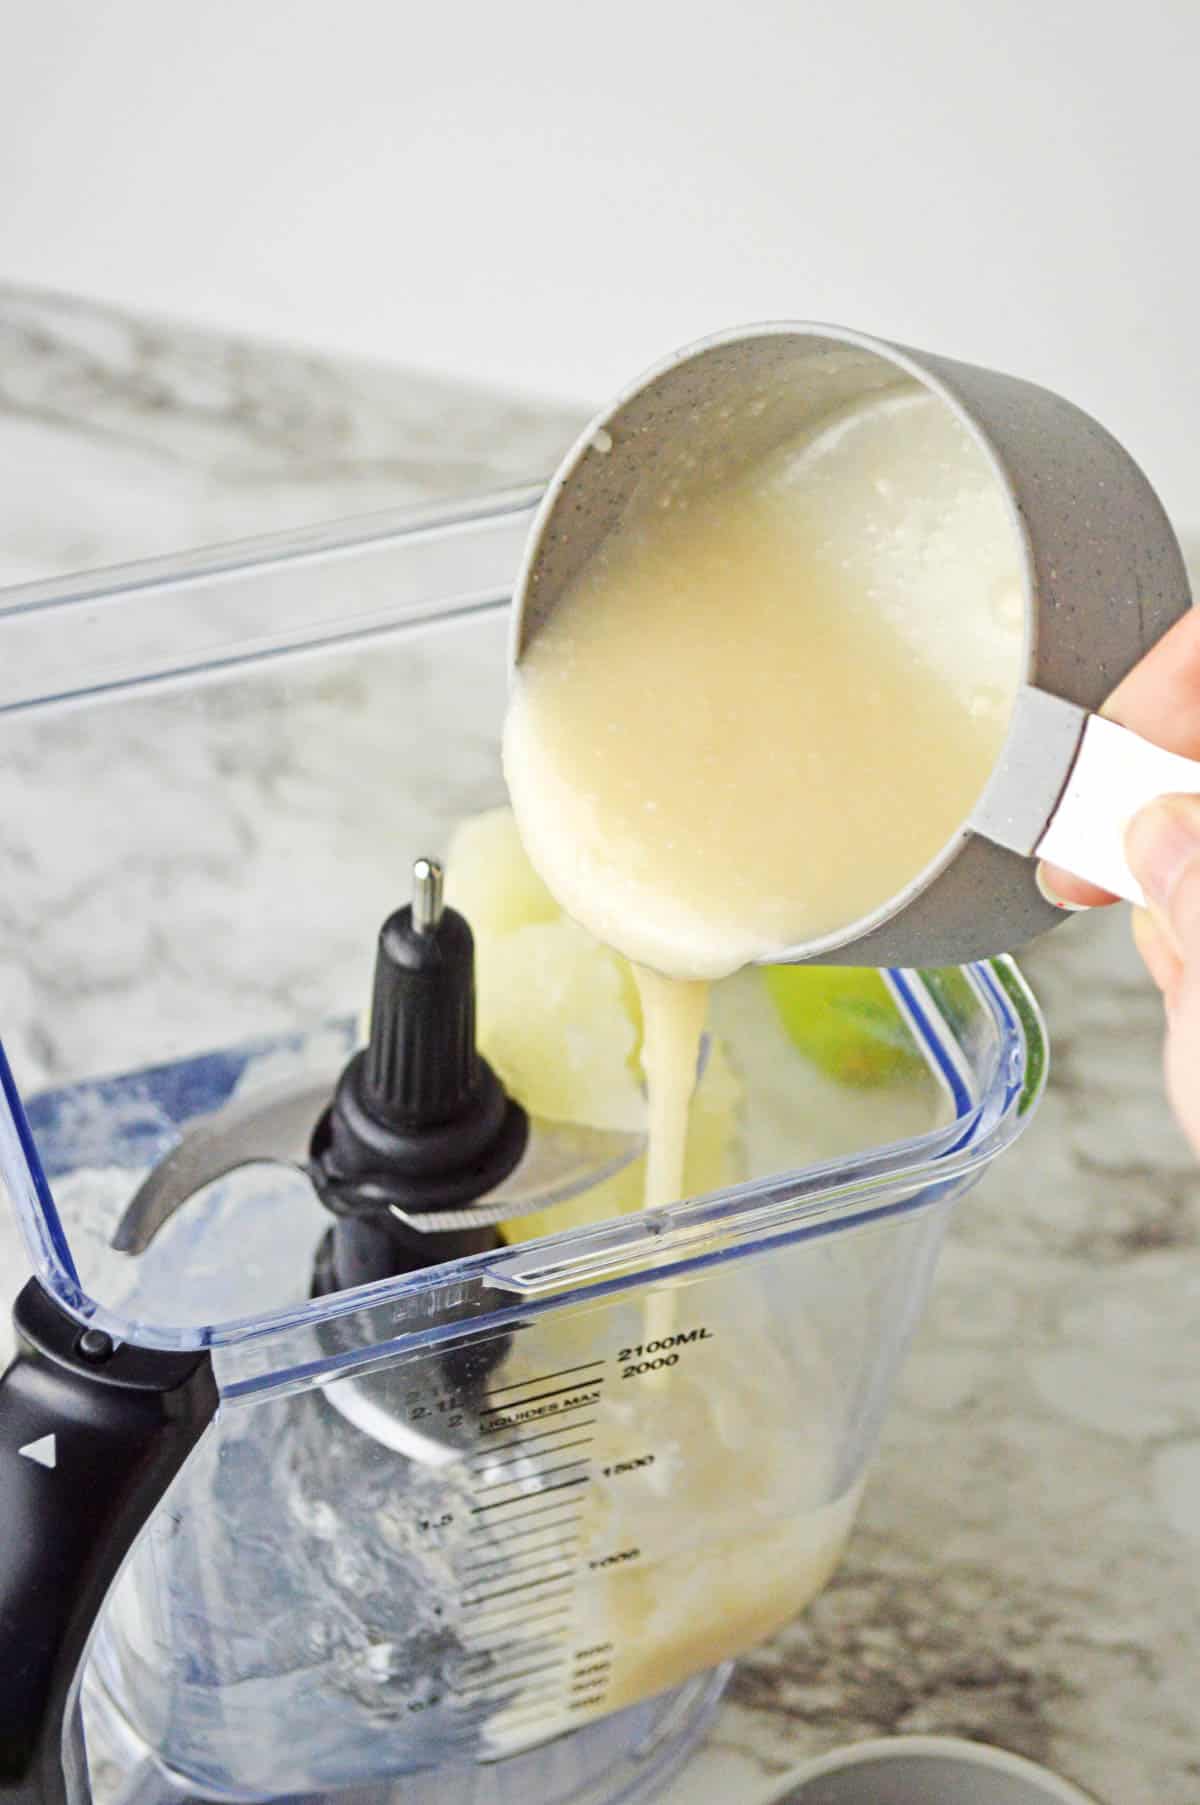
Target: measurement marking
x=541, y=1708
x=544, y=1708
x=560, y=1391
x=520, y=1620
x=584, y=1441
x=527, y=1441
x=567, y=1410
x=544, y=1378
x=544, y=1641
x=498, y=1680
x=540, y=1558
x=544, y=1689
x=539, y=1529
x=574, y=1506
x=535, y=1706
x=580, y=1460
x=551, y=1688
x=526, y=1623
x=564, y=1485
x=506, y=1679
x=528, y=1585
x=541, y=1714
x=508, y=1621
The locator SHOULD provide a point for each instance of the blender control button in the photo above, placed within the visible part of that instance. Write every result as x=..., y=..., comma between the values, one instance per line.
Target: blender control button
x=44, y=1451
x=94, y=1345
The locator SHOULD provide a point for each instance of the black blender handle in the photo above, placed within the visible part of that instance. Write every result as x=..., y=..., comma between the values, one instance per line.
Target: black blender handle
x=91, y=1435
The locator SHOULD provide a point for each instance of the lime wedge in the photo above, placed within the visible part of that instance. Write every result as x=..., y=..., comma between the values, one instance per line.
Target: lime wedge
x=845, y=1020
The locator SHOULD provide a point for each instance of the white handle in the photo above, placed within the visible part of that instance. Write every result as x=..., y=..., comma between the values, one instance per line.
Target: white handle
x=1115, y=774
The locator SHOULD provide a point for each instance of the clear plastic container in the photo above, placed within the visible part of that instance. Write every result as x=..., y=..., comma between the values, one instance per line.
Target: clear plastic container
x=495, y=1528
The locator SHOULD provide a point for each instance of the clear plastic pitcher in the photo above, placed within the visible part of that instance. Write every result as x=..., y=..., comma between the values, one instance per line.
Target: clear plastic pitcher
x=488, y=1531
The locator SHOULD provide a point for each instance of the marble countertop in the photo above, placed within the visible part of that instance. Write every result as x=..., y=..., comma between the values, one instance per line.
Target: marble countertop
x=1027, y=1565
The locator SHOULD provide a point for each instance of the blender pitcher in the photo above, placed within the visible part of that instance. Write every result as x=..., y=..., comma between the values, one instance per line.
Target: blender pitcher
x=488, y=1529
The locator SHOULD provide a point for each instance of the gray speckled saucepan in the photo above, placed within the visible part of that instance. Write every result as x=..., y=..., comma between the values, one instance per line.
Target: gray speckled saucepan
x=1103, y=579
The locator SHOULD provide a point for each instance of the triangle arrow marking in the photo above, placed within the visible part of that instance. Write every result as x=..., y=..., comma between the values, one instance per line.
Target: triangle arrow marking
x=44, y=1451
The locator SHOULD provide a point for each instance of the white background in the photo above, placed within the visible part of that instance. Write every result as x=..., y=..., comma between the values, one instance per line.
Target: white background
x=553, y=195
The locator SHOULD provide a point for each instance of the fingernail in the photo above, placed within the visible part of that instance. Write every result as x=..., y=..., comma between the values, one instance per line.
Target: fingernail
x=1160, y=842
x=1042, y=879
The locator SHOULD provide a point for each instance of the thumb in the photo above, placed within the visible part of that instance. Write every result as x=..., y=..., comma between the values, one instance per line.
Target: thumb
x=1163, y=848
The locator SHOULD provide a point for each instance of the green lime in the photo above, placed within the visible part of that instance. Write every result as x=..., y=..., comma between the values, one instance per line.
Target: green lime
x=844, y=1019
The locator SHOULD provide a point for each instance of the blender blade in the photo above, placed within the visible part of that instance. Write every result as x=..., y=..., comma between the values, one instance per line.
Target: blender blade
x=274, y=1127
x=270, y=1126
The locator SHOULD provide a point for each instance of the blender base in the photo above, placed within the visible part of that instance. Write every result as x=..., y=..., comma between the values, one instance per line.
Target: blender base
x=624, y=1759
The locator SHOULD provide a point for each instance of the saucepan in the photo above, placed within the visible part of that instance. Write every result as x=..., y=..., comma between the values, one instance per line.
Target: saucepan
x=1102, y=578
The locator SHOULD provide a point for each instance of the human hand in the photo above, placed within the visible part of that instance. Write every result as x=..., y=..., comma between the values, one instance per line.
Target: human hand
x=1160, y=699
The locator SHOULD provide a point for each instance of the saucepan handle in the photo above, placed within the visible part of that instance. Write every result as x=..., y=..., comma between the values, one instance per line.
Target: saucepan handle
x=91, y=1435
x=1068, y=786
x=1115, y=774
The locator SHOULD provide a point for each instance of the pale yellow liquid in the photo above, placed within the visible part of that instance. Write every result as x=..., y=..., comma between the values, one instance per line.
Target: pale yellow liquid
x=673, y=1015
x=760, y=714
x=735, y=1523
x=753, y=721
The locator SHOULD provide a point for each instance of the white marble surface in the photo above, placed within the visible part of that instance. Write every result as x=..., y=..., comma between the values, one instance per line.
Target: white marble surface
x=1027, y=1569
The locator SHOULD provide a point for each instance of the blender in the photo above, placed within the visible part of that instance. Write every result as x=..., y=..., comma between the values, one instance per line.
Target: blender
x=297, y=1514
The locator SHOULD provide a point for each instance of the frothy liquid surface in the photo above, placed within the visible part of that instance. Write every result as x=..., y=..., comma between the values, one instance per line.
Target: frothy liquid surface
x=756, y=717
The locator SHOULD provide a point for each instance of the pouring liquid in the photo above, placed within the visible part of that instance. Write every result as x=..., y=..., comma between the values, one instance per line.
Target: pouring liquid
x=674, y=1011
x=756, y=717
x=760, y=713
